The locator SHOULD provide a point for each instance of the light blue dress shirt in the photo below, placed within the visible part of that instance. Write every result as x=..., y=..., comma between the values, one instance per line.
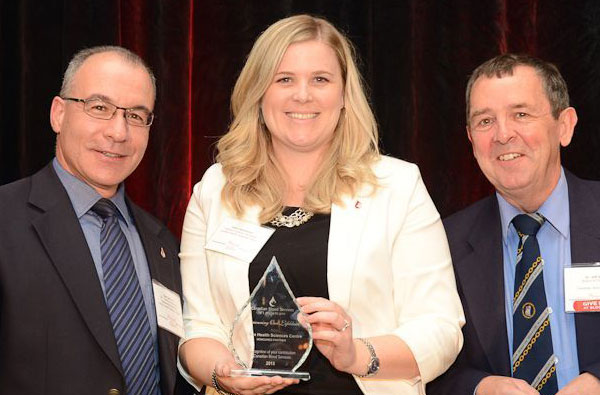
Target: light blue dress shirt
x=83, y=197
x=554, y=239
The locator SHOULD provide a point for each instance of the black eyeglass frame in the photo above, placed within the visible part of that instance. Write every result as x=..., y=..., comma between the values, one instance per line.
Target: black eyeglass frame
x=151, y=115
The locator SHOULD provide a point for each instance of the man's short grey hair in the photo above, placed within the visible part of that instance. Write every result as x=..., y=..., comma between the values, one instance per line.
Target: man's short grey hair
x=80, y=57
x=502, y=65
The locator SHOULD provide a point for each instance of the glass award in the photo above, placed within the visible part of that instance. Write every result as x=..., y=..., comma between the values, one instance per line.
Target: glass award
x=268, y=326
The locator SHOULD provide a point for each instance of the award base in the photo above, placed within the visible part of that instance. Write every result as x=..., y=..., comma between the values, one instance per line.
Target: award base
x=286, y=374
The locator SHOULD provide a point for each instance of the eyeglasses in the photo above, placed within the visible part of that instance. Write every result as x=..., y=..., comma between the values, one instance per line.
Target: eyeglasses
x=100, y=109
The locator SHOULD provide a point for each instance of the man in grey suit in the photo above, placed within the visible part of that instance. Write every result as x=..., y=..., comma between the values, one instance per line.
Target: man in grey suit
x=69, y=323
x=518, y=117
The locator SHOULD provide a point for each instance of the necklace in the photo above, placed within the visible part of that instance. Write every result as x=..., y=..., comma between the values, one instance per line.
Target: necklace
x=297, y=218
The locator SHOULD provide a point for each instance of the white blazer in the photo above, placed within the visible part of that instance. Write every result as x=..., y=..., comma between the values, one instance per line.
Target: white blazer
x=388, y=267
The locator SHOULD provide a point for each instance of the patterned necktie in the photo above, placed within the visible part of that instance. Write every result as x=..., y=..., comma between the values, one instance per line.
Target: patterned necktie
x=533, y=357
x=125, y=305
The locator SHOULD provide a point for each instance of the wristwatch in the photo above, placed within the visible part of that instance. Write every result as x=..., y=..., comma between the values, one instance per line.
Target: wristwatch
x=373, y=366
x=217, y=387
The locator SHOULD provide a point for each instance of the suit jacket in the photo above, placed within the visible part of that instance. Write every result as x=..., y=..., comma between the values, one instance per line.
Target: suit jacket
x=475, y=239
x=56, y=336
x=388, y=266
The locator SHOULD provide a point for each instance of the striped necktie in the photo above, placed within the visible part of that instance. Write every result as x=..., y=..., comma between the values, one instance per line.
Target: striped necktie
x=533, y=357
x=126, y=306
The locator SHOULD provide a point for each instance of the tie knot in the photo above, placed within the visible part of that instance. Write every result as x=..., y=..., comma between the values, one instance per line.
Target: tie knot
x=105, y=208
x=528, y=224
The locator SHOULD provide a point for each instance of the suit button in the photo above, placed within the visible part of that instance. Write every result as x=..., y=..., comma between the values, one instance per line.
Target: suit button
x=113, y=391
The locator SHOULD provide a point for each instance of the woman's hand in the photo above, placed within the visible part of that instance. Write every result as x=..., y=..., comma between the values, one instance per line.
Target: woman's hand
x=248, y=385
x=332, y=331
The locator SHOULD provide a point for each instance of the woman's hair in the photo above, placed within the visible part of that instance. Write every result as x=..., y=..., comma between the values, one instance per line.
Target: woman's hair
x=245, y=152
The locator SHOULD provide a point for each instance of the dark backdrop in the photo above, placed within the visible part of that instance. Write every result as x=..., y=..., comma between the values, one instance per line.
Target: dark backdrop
x=415, y=56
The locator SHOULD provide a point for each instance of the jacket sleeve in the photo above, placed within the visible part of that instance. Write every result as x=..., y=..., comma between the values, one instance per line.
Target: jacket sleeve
x=428, y=309
x=200, y=317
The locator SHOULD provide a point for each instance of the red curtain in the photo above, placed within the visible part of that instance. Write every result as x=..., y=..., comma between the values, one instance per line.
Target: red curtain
x=415, y=55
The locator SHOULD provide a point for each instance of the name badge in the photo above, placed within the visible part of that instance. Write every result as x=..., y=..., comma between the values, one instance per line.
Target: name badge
x=168, y=309
x=582, y=288
x=239, y=239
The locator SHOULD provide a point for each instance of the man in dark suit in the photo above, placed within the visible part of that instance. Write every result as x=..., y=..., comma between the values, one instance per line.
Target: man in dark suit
x=66, y=325
x=518, y=117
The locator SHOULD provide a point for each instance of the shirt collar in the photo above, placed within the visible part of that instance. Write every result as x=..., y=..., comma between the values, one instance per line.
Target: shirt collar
x=83, y=196
x=553, y=209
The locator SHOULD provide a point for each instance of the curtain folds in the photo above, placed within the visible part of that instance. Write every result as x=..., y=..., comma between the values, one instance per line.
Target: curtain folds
x=415, y=56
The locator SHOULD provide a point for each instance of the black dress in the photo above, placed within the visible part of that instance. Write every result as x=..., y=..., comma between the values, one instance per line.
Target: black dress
x=301, y=252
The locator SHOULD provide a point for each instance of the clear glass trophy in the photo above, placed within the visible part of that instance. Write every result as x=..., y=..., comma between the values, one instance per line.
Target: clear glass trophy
x=268, y=325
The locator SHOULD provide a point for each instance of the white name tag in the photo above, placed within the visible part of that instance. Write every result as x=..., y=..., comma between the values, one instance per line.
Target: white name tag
x=239, y=239
x=168, y=309
x=582, y=288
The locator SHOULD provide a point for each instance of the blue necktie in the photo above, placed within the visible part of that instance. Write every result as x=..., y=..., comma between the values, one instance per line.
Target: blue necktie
x=533, y=357
x=125, y=305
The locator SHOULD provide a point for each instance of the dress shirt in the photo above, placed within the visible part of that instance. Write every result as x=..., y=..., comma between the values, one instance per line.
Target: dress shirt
x=83, y=197
x=554, y=239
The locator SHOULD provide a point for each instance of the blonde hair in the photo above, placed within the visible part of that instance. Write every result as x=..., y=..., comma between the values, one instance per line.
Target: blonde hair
x=245, y=152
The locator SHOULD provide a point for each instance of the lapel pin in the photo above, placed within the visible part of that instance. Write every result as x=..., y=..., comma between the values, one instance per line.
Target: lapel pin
x=357, y=204
x=162, y=252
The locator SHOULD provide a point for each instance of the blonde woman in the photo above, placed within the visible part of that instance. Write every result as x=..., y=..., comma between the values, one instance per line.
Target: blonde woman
x=365, y=248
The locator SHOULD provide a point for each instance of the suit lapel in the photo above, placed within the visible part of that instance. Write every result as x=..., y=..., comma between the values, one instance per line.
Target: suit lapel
x=236, y=270
x=585, y=247
x=60, y=233
x=346, y=230
x=235, y=273
x=482, y=282
x=162, y=262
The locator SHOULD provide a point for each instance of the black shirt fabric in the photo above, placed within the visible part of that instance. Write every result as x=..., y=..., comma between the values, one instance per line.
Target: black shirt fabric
x=301, y=252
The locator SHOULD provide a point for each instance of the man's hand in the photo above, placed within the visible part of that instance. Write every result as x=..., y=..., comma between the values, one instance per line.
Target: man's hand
x=500, y=385
x=585, y=383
